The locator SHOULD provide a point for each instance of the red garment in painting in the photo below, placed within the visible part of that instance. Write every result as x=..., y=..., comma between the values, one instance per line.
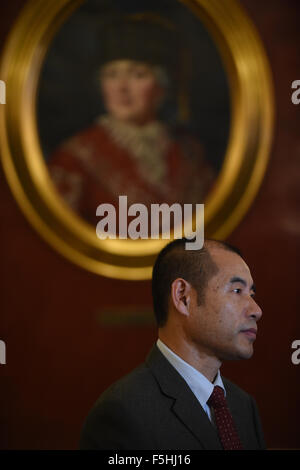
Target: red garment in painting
x=110, y=159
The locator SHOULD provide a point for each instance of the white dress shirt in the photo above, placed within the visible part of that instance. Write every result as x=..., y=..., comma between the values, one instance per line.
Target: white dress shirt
x=201, y=387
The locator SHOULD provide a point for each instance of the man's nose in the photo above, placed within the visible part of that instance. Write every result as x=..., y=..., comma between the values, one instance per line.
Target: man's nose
x=254, y=310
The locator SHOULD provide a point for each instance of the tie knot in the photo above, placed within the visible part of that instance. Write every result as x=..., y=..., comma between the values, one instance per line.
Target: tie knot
x=217, y=398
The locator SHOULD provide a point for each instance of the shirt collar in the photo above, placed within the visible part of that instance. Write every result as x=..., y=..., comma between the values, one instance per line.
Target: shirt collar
x=197, y=382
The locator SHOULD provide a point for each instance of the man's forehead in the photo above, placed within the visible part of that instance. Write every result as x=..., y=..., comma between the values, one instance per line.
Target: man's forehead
x=230, y=264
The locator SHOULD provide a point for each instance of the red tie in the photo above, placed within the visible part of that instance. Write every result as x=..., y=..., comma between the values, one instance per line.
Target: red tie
x=226, y=428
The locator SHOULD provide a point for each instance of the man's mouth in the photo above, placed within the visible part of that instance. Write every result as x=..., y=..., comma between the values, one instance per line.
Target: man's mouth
x=250, y=332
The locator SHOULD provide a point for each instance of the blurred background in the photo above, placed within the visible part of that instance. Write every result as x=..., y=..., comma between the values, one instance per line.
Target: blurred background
x=69, y=333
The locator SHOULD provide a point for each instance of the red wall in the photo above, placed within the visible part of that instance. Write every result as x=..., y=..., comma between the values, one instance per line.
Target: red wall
x=60, y=356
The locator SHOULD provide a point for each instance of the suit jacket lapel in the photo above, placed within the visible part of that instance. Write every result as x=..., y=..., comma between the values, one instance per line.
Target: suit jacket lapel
x=186, y=406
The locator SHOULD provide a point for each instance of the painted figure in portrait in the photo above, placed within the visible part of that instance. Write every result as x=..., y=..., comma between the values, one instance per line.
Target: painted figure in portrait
x=128, y=149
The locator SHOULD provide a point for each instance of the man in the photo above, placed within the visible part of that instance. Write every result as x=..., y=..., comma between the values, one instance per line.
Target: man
x=206, y=313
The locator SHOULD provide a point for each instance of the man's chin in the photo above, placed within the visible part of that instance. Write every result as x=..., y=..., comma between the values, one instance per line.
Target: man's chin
x=246, y=353
x=238, y=355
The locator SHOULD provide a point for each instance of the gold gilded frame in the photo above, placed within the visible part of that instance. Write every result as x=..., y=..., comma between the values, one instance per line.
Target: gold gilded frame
x=252, y=116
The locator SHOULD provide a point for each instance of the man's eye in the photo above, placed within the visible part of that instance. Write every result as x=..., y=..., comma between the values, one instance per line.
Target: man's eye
x=237, y=290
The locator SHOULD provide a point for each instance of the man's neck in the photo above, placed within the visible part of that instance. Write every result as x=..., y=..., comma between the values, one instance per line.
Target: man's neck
x=207, y=364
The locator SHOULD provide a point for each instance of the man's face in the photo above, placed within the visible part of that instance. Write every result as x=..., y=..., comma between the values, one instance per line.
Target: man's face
x=130, y=91
x=224, y=325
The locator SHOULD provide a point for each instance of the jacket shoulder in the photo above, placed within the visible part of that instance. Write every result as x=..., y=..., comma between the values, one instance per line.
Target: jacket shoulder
x=123, y=415
x=130, y=386
x=235, y=390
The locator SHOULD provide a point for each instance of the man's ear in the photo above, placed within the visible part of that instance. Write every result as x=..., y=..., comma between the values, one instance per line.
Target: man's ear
x=181, y=295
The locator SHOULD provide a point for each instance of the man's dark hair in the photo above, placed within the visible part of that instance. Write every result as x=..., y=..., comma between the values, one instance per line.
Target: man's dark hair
x=174, y=261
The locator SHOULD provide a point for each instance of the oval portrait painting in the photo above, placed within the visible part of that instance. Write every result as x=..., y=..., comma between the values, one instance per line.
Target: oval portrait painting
x=133, y=100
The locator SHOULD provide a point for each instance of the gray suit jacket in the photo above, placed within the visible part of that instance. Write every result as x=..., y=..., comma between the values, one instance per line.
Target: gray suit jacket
x=153, y=408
